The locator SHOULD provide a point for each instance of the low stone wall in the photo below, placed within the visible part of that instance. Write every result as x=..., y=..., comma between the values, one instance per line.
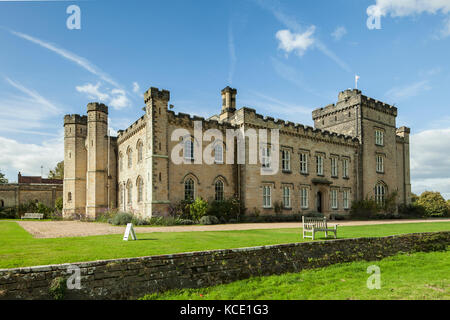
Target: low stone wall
x=131, y=278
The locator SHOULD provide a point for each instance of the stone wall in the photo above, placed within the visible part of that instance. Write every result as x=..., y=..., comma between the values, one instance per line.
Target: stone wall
x=135, y=277
x=14, y=194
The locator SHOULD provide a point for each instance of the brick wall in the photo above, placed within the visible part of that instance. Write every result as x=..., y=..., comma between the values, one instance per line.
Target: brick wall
x=135, y=277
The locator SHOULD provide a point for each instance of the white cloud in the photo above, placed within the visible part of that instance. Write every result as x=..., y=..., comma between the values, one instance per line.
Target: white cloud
x=119, y=99
x=25, y=112
x=28, y=158
x=404, y=8
x=93, y=92
x=338, y=33
x=136, y=87
x=298, y=42
x=430, y=161
x=292, y=24
x=84, y=63
x=408, y=91
x=116, y=98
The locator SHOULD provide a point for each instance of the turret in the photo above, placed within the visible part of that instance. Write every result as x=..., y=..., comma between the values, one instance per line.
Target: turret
x=156, y=184
x=97, y=159
x=75, y=157
x=228, y=103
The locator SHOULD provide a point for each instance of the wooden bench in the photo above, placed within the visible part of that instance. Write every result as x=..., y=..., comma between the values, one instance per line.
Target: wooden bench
x=313, y=225
x=33, y=216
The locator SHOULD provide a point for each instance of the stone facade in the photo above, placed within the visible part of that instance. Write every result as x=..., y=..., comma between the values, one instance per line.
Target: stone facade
x=354, y=151
x=30, y=189
x=135, y=277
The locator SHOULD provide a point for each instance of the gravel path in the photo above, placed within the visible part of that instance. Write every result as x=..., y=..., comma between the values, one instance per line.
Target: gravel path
x=63, y=229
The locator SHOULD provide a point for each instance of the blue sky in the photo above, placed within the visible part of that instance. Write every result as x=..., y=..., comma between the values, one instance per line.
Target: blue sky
x=284, y=57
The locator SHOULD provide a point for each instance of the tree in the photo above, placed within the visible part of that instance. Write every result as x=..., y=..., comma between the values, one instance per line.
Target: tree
x=433, y=203
x=414, y=197
x=58, y=173
x=3, y=179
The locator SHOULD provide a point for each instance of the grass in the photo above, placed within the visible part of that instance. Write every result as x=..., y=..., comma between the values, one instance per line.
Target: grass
x=415, y=276
x=19, y=249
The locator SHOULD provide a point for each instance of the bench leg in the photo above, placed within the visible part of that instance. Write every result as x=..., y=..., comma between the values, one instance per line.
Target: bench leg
x=326, y=234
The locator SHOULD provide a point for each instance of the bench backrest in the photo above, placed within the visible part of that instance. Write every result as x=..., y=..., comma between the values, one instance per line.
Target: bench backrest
x=33, y=215
x=317, y=223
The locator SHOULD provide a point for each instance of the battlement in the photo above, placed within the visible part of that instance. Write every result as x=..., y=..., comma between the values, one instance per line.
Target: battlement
x=348, y=99
x=155, y=93
x=132, y=129
x=288, y=127
x=75, y=119
x=188, y=120
x=96, y=106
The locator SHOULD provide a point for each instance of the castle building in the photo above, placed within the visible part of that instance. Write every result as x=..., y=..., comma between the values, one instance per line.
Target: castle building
x=355, y=151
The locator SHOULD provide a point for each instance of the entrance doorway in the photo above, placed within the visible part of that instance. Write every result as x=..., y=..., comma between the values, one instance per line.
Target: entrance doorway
x=319, y=202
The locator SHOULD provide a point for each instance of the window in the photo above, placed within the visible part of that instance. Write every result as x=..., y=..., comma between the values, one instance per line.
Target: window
x=303, y=163
x=265, y=158
x=2, y=203
x=334, y=199
x=120, y=194
x=379, y=137
x=130, y=158
x=189, y=149
x=345, y=198
x=140, y=186
x=345, y=168
x=334, y=167
x=380, y=164
x=319, y=165
x=380, y=193
x=189, y=190
x=218, y=153
x=304, y=198
x=267, y=197
x=130, y=192
x=121, y=161
x=218, y=186
x=140, y=148
x=286, y=197
x=285, y=160
x=69, y=196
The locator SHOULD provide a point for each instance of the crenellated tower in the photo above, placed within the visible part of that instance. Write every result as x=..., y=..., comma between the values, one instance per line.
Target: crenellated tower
x=97, y=159
x=75, y=156
x=157, y=153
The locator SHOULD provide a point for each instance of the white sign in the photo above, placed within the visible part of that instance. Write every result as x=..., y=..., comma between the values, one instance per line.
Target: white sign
x=129, y=230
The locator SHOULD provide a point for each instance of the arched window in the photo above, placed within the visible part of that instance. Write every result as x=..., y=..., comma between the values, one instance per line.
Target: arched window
x=218, y=186
x=130, y=157
x=140, y=147
x=218, y=153
x=140, y=188
x=120, y=194
x=121, y=161
x=69, y=196
x=129, y=192
x=189, y=191
x=380, y=193
x=188, y=149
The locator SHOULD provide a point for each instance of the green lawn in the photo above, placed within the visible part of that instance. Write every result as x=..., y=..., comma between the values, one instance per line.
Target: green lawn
x=415, y=276
x=18, y=248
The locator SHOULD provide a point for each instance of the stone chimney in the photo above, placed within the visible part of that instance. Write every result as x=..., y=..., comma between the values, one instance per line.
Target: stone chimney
x=228, y=103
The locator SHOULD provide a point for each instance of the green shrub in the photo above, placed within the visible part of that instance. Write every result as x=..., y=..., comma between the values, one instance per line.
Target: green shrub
x=225, y=210
x=198, y=209
x=314, y=215
x=59, y=204
x=184, y=222
x=8, y=213
x=180, y=210
x=57, y=288
x=364, y=209
x=121, y=219
x=411, y=211
x=337, y=216
x=277, y=207
x=208, y=220
x=433, y=204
